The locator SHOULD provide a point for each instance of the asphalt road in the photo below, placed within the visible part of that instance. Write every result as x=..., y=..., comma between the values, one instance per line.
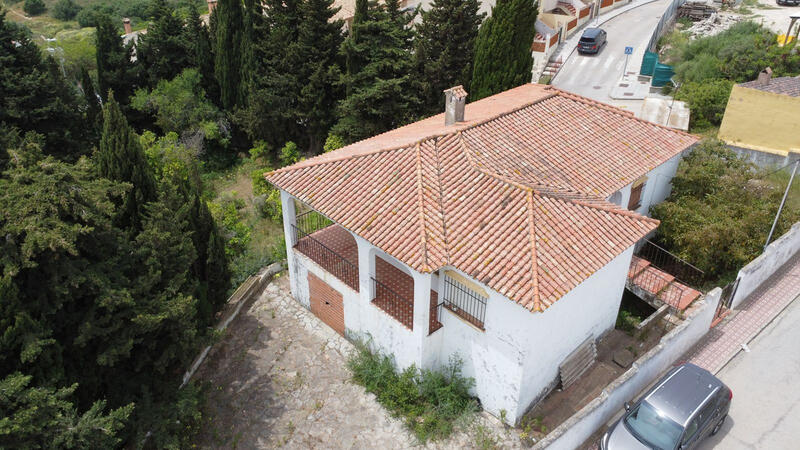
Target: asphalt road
x=593, y=76
x=765, y=412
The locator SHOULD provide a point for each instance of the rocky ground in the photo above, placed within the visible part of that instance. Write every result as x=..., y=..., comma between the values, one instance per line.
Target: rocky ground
x=278, y=379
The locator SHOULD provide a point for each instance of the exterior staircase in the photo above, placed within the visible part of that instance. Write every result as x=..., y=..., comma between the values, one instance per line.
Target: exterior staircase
x=568, y=7
x=552, y=68
x=658, y=287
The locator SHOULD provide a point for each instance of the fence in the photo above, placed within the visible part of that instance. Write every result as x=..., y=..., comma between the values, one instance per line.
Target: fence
x=667, y=19
x=578, y=428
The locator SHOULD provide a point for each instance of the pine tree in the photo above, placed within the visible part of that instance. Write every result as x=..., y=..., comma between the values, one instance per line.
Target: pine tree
x=503, y=48
x=380, y=62
x=444, y=48
x=228, y=61
x=114, y=68
x=34, y=95
x=315, y=60
x=164, y=50
x=120, y=158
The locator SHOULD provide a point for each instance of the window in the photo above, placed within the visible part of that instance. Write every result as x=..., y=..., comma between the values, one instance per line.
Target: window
x=464, y=299
x=636, y=194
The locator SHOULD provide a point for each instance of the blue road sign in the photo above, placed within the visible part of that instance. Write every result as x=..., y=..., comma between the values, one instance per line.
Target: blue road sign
x=628, y=50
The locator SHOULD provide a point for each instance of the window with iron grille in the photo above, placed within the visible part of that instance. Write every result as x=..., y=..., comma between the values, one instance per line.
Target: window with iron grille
x=464, y=301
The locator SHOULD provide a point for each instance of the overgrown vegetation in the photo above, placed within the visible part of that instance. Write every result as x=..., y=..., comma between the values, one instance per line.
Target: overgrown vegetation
x=430, y=403
x=720, y=211
x=708, y=67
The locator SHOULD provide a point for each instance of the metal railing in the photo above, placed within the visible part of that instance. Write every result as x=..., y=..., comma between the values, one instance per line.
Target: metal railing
x=394, y=304
x=660, y=288
x=435, y=313
x=672, y=264
x=464, y=302
x=311, y=221
x=326, y=257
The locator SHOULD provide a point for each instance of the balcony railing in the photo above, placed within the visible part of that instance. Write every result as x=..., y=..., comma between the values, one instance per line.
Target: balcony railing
x=326, y=257
x=435, y=313
x=394, y=304
x=672, y=264
x=311, y=221
x=464, y=302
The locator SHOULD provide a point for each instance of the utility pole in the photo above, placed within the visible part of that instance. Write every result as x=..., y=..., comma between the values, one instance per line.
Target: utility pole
x=783, y=201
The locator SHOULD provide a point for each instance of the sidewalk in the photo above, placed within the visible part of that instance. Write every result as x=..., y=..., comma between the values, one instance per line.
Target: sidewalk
x=725, y=340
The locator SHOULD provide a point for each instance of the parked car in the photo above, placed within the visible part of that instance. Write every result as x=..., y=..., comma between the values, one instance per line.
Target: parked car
x=788, y=2
x=592, y=40
x=684, y=407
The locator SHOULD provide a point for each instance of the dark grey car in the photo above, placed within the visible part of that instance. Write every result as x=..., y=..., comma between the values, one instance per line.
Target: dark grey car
x=684, y=407
x=592, y=40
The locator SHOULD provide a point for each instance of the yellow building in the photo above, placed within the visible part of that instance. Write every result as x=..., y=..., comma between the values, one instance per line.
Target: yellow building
x=764, y=115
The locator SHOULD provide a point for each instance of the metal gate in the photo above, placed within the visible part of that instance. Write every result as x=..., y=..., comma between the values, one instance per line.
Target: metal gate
x=724, y=305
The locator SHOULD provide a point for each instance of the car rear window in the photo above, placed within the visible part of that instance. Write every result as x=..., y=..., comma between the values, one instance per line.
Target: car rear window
x=588, y=40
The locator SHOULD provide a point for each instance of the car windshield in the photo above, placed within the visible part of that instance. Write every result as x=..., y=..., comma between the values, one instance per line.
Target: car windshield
x=653, y=428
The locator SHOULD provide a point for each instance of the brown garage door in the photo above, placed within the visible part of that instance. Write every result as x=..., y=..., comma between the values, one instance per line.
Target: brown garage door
x=326, y=303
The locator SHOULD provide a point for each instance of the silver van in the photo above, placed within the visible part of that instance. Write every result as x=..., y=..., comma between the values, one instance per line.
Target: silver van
x=681, y=409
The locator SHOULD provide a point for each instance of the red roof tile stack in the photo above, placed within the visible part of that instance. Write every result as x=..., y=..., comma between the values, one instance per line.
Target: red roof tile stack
x=514, y=196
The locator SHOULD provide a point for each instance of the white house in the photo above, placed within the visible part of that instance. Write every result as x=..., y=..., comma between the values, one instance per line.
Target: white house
x=500, y=232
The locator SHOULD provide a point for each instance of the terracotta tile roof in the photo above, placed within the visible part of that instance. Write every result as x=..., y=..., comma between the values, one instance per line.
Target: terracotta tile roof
x=514, y=196
x=782, y=85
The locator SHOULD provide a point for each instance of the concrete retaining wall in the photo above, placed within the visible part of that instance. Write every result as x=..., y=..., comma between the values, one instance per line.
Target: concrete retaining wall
x=575, y=431
x=760, y=269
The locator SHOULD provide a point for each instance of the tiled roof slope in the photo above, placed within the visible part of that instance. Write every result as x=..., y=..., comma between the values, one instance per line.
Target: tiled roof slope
x=782, y=85
x=514, y=197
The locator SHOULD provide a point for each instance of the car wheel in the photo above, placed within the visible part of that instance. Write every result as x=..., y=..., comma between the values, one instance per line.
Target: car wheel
x=719, y=425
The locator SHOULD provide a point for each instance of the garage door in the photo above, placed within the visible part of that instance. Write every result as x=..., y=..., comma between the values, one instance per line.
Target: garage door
x=326, y=303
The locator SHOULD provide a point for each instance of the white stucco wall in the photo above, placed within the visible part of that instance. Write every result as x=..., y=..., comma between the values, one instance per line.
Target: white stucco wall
x=778, y=253
x=515, y=361
x=657, y=187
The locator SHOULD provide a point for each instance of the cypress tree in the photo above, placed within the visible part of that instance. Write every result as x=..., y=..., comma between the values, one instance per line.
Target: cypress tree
x=114, y=68
x=202, y=56
x=444, y=48
x=120, y=157
x=228, y=64
x=315, y=60
x=94, y=113
x=380, y=62
x=503, y=48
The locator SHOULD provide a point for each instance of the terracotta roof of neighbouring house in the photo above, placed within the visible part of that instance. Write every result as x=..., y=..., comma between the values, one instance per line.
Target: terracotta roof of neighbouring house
x=514, y=196
x=782, y=85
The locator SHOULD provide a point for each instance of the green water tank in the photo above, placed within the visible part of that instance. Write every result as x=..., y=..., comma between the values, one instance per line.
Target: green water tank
x=662, y=74
x=649, y=63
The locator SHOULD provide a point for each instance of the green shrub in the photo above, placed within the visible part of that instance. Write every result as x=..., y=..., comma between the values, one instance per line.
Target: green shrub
x=333, y=142
x=259, y=150
x=66, y=10
x=627, y=321
x=236, y=233
x=250, y=262
x=290, y=154
x=707, y=101
x=428, y=402
x=719, y=212
x=34, y=7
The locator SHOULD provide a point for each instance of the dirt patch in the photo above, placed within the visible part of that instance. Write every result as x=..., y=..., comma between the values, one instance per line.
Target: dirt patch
x=561, y=404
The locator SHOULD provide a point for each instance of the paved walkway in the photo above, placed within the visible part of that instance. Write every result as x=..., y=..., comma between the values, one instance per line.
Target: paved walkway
x=725, y=340
x=278, y=379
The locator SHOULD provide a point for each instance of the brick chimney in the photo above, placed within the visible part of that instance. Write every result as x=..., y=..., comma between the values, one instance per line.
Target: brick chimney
x=211, y=5
x=454, y=100
x=127, y=24
x=765, y=76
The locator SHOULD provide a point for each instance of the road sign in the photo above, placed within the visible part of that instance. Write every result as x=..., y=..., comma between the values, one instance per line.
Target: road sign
x=628, y=50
